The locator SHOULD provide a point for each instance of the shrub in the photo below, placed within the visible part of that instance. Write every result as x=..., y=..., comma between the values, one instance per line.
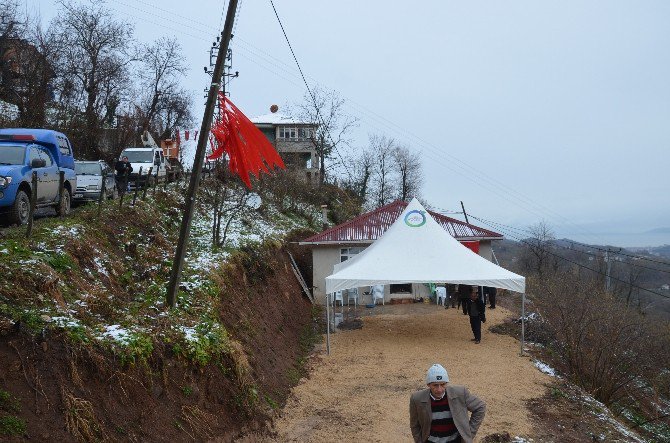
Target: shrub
x=604, y=346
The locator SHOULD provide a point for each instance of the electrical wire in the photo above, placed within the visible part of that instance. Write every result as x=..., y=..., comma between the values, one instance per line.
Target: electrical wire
x=309, y=90
x=436, y=154
x=578, y=264
x=638, y=257
x=500, y=226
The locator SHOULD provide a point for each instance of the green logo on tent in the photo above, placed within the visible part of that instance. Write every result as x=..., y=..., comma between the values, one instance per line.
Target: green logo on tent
x=415, y=218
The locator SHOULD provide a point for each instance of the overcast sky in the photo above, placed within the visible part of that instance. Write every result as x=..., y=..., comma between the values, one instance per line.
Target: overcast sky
x=524, y=110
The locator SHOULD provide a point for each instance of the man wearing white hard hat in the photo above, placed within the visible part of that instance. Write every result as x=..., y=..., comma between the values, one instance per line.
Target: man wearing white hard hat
x=440, y=413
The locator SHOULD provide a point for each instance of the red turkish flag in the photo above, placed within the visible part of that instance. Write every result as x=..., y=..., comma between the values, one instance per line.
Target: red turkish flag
x=248, y=149
x=186, y=135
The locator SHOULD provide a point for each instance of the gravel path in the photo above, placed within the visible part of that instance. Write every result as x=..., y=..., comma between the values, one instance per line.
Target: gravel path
x=361, y=391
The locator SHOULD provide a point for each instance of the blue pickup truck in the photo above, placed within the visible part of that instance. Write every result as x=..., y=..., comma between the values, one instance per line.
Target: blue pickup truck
x=44, y=151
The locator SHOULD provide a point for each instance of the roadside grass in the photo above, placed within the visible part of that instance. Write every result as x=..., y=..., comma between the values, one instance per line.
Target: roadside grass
x=107, y=279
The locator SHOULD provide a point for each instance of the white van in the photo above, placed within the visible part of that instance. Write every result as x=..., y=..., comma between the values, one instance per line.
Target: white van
x=145, y=158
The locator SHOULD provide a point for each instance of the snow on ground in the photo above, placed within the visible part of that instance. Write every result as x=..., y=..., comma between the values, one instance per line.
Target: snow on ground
x=604, y=414
x=66, y=322
x=117, y=333
x=543, y=367
x=71, y=231
x=100, y=266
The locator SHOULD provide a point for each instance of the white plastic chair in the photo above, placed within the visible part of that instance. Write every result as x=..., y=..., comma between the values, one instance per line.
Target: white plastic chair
x=441, y=293
x=338, y=297
x=377, y=292
x=352, y=293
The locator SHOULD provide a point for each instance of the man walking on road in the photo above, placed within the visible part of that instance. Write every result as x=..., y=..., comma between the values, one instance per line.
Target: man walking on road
x=476, y=310
x=440, y=412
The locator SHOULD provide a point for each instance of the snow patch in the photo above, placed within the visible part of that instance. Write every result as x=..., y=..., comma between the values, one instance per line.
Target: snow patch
x=190, y=334
x=117, y=333
x=543, y=367
x=100, y=266
x=65, y=322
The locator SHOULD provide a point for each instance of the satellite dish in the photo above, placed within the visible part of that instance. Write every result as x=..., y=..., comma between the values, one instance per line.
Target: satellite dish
x=254, y=200
x=274, y=108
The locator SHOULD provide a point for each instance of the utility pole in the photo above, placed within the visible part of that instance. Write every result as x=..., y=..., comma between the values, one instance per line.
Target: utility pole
x=184, y=231
x=465, y=213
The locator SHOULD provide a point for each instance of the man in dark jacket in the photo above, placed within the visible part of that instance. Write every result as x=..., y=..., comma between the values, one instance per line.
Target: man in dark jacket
x=123, y=169
x=476, y=310
x=463, y=296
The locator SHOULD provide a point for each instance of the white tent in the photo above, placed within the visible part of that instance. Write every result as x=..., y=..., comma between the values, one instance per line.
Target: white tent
x=416, y=249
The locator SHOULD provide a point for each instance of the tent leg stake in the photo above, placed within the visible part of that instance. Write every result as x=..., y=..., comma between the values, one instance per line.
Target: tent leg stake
x=523, y=320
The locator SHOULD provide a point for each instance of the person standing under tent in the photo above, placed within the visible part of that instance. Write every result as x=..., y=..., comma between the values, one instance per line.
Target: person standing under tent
x=492, y=296
x=463, y=296
x=476, y=310
x=440, y=413
x=451, y=296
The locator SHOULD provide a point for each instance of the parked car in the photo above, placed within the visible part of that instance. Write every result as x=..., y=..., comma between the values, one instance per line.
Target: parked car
x=47, y=153
x=90, y=178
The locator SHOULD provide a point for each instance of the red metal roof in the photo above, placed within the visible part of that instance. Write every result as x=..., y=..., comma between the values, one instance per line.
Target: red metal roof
x=370, y=226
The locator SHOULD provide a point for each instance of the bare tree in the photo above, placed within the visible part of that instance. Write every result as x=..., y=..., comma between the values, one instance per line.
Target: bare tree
x=538, y=251
x=174, y=111
x=94, y=65
x=360, y=177
x=325, y=109
x=10, y=29
x=408, y=166
x=160, y=69
x=382, y=189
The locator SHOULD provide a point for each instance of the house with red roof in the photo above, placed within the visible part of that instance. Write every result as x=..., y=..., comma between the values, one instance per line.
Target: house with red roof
x=344, y=241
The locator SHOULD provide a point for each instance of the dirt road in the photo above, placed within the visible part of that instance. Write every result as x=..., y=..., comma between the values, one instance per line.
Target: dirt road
x=361, y=391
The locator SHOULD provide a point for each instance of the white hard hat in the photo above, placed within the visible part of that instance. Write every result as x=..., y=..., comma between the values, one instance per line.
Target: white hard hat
x=437, y=374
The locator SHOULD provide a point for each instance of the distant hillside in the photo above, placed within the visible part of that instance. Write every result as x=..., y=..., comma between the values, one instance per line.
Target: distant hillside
x=643, y=267
x=658, y=251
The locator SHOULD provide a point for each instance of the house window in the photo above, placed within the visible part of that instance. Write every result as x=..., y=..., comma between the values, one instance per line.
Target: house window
x=304, y=133
x=347, y=253
x=295, y=134
x=288, y=133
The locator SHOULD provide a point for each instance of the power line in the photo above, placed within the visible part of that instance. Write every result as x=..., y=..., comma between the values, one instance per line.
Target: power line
x=639, y=257
x=581, y=265
x=491, y=185
x=435, y=153
x=499, y=225
x=309, y=90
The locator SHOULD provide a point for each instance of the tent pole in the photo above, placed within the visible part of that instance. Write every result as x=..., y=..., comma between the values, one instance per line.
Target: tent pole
x=523, y=320
x=328, y=324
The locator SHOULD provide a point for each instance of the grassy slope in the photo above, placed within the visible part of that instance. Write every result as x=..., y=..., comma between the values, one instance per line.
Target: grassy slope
x=98, y=284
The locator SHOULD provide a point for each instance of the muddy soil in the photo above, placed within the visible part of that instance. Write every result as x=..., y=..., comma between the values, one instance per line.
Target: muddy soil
x=360, y=392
